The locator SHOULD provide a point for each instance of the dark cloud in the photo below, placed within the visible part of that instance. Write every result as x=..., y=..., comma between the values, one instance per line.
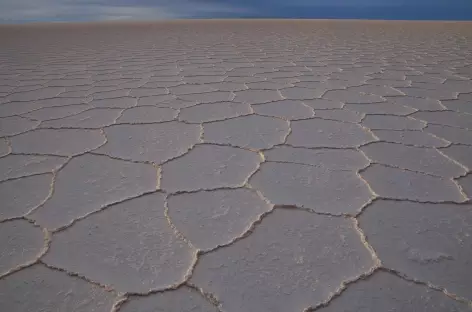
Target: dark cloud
x=90, y=10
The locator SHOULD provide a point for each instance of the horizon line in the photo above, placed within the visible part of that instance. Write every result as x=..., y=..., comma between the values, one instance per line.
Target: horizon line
x=238, y=19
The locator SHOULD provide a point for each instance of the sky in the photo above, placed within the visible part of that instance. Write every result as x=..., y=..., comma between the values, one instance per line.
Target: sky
x=23, y=11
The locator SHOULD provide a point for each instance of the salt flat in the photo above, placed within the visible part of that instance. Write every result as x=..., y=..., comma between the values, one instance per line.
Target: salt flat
x=236, y=166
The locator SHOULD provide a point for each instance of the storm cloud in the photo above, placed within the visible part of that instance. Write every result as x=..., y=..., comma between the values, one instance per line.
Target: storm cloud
x=19, y=11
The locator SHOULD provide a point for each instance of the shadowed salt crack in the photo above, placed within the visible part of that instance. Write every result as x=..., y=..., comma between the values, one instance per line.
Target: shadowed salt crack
x=46, y=243
x=380, y=267
x=376, y=262
x=176, y=285
x=52, y=190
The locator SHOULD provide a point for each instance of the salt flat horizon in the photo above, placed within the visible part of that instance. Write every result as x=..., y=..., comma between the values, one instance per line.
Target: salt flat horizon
x=230, y=20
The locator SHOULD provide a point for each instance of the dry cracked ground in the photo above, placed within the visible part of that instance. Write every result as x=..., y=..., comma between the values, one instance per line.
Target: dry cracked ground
x=236, y=166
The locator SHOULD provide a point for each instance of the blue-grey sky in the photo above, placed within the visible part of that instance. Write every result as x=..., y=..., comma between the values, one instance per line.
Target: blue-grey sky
x=19, y=11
